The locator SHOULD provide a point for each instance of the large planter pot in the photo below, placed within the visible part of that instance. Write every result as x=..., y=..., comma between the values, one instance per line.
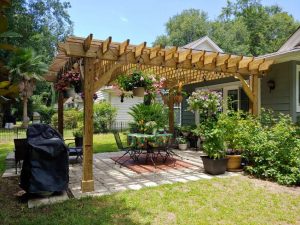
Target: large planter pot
x=234, y=163
x=182, y=146
x=138, y=91
x=78, y=141
x=214, y=166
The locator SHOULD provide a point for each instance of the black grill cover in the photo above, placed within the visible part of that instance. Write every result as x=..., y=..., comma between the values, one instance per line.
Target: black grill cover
x=46, y=166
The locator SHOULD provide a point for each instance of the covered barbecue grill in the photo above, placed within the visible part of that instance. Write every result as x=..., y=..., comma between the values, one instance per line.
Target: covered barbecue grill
x=46, y=167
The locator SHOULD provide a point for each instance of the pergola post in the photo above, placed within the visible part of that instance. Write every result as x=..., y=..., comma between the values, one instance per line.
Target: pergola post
x=254, y=88
x=171, y=113
x=60, y=113
x=87, y=183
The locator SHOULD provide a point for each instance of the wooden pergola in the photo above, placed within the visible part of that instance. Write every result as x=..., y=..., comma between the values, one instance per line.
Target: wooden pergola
x=104, y=60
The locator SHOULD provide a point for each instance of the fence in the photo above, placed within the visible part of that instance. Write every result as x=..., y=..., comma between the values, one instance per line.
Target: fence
x=120, y=126
x=7, y=135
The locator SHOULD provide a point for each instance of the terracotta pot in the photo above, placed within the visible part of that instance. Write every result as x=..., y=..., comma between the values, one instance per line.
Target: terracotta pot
x=178, y=98
x=214, y=166
x=234, y=162
x=138, y=91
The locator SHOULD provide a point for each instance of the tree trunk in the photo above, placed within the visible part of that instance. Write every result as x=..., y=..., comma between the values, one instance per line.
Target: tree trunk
x=25, y=114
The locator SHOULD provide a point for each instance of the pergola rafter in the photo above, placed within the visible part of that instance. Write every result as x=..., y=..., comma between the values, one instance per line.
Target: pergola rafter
x=104, y=60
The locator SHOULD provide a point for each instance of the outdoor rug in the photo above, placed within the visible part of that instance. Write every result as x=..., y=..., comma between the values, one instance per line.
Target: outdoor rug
x=141, y=166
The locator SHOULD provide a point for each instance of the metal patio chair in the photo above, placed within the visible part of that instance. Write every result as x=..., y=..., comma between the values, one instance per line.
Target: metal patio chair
x=132, y=152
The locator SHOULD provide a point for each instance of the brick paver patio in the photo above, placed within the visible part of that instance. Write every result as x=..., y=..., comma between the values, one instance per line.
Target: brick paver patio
x=110, y=177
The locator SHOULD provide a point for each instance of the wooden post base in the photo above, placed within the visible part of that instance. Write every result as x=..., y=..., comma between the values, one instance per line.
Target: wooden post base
x=87, y=186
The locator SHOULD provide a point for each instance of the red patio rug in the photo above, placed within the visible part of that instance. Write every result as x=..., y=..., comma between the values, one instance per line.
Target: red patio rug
x=141, y=166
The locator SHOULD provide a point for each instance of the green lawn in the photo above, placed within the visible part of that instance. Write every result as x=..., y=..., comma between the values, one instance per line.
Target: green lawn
x=102, y=143
x=233, y=200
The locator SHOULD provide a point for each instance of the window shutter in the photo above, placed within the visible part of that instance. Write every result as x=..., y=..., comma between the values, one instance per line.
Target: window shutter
x=244, y=101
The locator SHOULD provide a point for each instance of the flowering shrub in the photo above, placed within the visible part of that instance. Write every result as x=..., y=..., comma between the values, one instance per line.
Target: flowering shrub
x=205, y=101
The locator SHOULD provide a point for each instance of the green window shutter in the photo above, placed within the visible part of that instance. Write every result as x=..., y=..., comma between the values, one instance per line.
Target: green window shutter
x=244, y=101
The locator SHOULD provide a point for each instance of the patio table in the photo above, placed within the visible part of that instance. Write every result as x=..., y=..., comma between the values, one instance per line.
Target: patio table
x=153, y=144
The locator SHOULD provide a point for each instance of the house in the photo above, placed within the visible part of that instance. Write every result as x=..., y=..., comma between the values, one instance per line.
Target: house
x=108, y=94
x=278, y=90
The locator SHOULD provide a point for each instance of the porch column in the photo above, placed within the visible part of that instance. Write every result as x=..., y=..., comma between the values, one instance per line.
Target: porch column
x=60, y=113
x=87, y=183
x=254, y=89
x=171, y=114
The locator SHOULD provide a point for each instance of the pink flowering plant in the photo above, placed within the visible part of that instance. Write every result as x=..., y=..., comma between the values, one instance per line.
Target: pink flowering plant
x=205, y=101
x=68, y=79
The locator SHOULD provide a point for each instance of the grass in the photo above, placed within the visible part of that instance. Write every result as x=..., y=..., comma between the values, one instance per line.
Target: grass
x=102, y=143
x=233, y=200
x=4, y=150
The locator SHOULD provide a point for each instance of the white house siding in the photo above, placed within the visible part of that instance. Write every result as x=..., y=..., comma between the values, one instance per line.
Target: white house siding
x=123, y=107
x=205, y=46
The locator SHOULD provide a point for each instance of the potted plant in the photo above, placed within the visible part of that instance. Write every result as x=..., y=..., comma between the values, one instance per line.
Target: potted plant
x=182, y=143
x=78, y=136
x=185, y=130
x=232, y=124
x=214, y=161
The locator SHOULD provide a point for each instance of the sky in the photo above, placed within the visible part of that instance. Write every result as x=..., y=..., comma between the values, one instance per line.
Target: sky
x=144, y=20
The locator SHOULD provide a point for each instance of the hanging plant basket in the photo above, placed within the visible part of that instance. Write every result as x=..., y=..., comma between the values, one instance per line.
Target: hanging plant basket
x=138, y=91
x=178, y=99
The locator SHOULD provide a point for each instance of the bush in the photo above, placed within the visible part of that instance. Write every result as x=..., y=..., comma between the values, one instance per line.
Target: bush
x=72, y=118
x=46, y=114
x=40, y=106
x=142, y=114
x=104, y=115
x=273, y=150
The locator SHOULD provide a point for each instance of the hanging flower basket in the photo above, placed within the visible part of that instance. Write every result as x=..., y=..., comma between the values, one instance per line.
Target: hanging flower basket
x=138, y=91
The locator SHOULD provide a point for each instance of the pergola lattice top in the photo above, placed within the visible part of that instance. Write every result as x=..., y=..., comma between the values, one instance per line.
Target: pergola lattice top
x=175, y=64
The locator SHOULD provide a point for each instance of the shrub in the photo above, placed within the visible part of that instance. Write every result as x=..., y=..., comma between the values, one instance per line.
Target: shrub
x=273, y=150
x=104, y=115
x=142, y=114
x=72, y=118
x=39, y=105
x=46, y=113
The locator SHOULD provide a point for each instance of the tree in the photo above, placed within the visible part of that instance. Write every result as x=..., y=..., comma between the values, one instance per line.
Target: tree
x=41, y=24
x=243, y=27
x=268, y=27
x=25, y=68
x=184, y=28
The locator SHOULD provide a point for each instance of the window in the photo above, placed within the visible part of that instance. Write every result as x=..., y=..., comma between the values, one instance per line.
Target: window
x=233, y=99
x=297, y=88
